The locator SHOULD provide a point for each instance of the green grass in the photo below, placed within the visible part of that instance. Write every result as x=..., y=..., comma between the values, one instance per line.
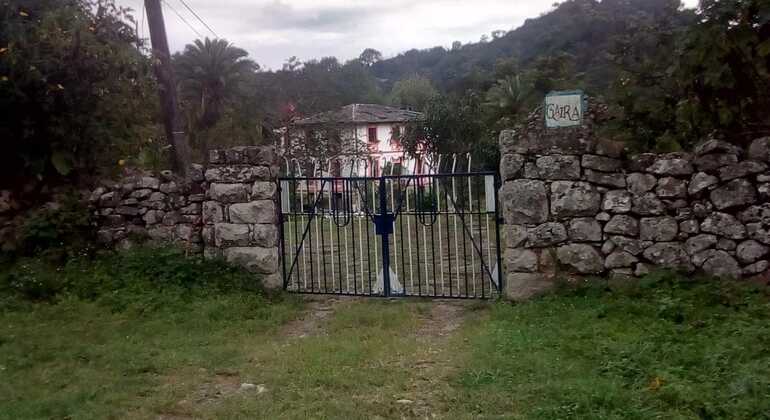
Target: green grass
x=662, y=349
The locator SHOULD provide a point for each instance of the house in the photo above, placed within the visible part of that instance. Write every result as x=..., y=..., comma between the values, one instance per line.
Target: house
x=355, y=140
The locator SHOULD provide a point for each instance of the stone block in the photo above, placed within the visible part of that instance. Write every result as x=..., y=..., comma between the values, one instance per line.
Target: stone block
x=255, y=259
x=741, y=169
x=658, y=229
x=584, y=229
x=717, y=263
x=669, y=255
x=524, y=201
x=620, y=259
x=738, y=192
x=723, y=224
x=523, y=286
x=672, y=165
x=554, y=167
x=262, y=211
x=265, y=235
x=621, y=224
x=670, y=187
x=584, y=258
x=617, y=201
x=212, y=212
x=639, y=183
x=750, y=251
x=546, y=234
x=601, y=163
x=519, y=260
x=759, y=149
x=231, y=234
x=574, y=199
x=712, y=162
x=700, y=243
x=511, y=165
x=613, y=180
x=263, y=190
x=229, y=193
x=700, y=182
x=647, y=205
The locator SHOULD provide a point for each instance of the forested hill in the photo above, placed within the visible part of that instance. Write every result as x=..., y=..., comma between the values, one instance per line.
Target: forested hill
x=584, y=30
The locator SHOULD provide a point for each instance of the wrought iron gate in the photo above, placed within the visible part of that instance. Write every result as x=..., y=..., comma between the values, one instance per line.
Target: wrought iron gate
x=431, y=235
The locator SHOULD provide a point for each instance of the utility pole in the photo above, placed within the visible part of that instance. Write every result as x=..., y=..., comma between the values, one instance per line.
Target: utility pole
x=168, y=100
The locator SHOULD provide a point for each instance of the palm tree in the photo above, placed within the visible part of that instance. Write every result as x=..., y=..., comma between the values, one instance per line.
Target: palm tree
x=210, y=74
x=507, y=96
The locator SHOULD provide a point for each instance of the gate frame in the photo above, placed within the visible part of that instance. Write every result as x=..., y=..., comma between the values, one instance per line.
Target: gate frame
x=384, y=221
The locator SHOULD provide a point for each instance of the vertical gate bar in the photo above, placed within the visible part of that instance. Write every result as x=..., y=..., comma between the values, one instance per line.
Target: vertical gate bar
x=465, y=255
x=402, y=277
x=311, y=214
x=348, y=207
x=425, y=243
x=393, y=210
x=361, y=240
x=281, y=235
x=481, y=246
x=409, y=238
x=318, y=232
x=454, y=226
x=353, y=237
x=385, y=244
x=470, y=230
x=298, y=187
x=374, y=231
x=337, y=228
x=368, y=242
x=331, y=235
x=448, y=241
x=437, y=189
x=418, y=208
x=500, y=277
x=433, y=249
x=323, y=252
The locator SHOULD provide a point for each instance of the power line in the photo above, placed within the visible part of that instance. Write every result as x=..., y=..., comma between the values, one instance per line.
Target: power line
x=141, y=24
x=199, y=18
x=182, y=18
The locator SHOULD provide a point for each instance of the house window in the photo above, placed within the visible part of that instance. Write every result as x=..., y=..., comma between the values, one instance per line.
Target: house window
x=372, y=134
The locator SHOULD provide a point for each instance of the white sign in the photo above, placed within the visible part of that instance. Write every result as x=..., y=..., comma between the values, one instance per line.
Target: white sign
x=563, y=109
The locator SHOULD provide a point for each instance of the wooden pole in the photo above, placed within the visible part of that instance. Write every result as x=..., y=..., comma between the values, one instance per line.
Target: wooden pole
x=168, y=100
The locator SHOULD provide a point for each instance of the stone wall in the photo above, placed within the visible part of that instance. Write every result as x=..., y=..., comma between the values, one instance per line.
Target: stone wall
x=227, y=210
x=575, y=203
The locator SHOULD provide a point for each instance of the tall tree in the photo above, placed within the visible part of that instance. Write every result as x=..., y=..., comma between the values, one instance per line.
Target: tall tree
x=76, y=96
x=211, y=73
x=370, y=56
x=413, y=92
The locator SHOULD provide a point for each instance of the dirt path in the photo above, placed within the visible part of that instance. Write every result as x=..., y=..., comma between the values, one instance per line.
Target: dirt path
x=429, y=386
x=311, y=323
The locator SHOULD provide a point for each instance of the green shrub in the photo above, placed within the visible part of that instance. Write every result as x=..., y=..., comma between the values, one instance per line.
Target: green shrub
x=63, y=229
x=143, y=277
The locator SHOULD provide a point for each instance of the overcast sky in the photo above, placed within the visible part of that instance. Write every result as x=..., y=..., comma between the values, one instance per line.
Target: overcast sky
x=273, y=30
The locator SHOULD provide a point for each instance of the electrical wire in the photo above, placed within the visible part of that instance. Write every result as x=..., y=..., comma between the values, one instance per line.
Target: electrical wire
x=182, y=19
x=184, y=3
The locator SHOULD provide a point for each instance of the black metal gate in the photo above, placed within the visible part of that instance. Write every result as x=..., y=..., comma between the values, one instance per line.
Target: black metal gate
x=402, y=235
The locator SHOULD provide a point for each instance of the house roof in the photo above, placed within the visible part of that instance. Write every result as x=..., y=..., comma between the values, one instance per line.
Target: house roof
x=361, y=113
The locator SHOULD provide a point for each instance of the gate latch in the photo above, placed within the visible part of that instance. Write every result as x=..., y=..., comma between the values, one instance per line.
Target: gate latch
x=383, y=223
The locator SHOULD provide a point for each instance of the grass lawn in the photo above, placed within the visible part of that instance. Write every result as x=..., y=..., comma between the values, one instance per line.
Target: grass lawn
x=661, y=349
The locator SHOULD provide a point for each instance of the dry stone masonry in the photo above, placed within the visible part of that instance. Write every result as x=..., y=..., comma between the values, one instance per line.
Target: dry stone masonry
x=575, y=202
x=227, y=210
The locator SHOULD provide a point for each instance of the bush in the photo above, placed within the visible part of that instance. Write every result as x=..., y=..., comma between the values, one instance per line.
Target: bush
x=143, y=277
x=65, y=228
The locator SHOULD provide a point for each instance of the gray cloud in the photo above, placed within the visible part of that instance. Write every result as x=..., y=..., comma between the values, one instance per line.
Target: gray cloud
x=272, y=30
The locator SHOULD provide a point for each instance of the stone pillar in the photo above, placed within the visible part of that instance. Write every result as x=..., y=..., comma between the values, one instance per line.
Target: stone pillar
x=575, y=205
x=240, y=213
